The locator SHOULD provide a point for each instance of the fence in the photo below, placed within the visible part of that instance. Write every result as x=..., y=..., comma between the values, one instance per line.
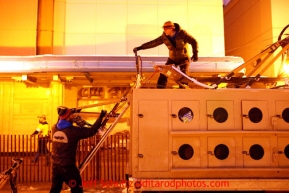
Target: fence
x=109, y=163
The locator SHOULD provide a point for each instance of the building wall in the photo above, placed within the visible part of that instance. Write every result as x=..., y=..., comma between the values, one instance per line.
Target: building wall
x=90, y=27
x=251, y=26
x=18, y=21
x=105, y=27
x=21, y=104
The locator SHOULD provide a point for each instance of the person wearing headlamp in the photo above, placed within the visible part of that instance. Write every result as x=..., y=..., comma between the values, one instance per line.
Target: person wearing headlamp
x=65, y=138
x=176, y=40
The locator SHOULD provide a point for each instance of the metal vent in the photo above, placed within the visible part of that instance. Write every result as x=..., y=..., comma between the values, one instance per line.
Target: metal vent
x=255, y=115
x=285, y=115
x=220, y=115
x=221, y=151
x=186, y=115
x=256, y=152
x=186, y=152
x=286, y=151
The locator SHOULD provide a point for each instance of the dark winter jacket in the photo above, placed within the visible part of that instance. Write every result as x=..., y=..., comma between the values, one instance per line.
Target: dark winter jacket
x=65, y=141
x=179, y=52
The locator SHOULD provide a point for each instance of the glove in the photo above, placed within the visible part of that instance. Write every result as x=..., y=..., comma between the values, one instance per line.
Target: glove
x=74, y=110
x=102, y=114
x=195, y=57
x=137, y=49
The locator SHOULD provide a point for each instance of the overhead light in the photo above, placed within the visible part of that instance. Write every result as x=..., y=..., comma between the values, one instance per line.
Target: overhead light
x=56, y=77
x=28, y=79
x=24, y=78
x=69, y=78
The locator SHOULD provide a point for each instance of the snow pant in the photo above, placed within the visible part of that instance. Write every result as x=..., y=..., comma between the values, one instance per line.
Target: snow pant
x=183, y=65
x=42, y=149
x=13, y=182
x=68, y=174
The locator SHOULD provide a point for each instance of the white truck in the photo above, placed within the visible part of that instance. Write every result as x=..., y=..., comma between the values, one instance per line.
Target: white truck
x=213, y=139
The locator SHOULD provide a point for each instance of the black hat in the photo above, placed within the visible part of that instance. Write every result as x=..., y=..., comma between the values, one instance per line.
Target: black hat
x=63, y=112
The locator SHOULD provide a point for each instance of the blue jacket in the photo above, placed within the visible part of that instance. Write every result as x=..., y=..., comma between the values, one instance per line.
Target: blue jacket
x=65, y=138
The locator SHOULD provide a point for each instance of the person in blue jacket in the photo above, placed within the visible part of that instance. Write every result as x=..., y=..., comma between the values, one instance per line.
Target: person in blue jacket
x=65, y=137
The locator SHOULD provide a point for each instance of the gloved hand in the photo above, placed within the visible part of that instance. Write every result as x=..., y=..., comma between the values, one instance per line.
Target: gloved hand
x=102, y=114
x=74, y=110
x=195, y=57
x=136, y=49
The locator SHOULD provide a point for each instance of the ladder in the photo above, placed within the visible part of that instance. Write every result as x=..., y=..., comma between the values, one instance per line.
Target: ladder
x=112, y=113
x=122, y=102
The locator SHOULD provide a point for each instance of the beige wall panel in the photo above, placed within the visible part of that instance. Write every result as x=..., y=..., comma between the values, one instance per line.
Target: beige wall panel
x=211, y=16
x=80, y=44
x=59, y=16
x=18, y=14
x=58, y=43
x=21, y=91
x=207, y=2
x=5, y=104
x=207, y=27
x=18, y=29
x=111, y=44
x=216, y=46
x=140, y=29
x=111, y=18
x=70, y=96
x=18, y=38
x=25, y=104
x=179, y=15
x=111, y=1
x=280, y=13
x=81, y=1
x=179, y=2
x=143, y=20
x=139, y=39
x=17, y=42
x=80, y=18
x=280, y=17
x=142, y=38
x=56, y=98
x=28, y=103
x=151, y=2
x=205, y=41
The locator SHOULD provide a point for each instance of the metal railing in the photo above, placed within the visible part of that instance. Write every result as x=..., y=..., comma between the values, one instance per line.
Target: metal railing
x=109, y=163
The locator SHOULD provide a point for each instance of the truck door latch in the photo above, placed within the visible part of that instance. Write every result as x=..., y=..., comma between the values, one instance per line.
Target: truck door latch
x=174, y=115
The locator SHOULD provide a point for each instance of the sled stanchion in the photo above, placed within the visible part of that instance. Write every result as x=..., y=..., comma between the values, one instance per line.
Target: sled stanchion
x=177, y=75
x=87, y=159
x=5, y=176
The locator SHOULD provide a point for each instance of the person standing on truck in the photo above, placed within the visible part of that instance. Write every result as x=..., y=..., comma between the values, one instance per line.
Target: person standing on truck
x=176, y=40
x=42, y=131
x=65, y=138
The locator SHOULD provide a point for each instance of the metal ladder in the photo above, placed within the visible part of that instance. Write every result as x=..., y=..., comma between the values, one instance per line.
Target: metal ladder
x=112, y=113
